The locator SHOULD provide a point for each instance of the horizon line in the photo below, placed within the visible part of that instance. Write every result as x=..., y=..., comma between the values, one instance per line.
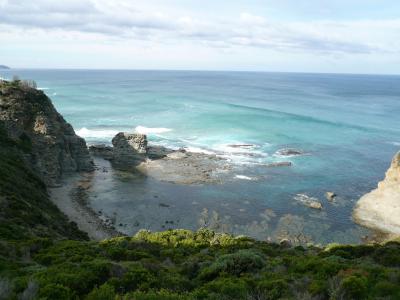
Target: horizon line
x=195, y=70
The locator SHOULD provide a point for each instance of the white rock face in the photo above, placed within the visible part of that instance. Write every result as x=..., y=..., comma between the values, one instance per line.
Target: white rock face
x=380, y=209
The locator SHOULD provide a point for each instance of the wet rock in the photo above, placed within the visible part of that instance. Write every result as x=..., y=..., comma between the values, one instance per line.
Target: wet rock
x=308, y=201
x=289, y=152
x=330, y=196
x=101, y=150
x=280, y=164
x=241, y=146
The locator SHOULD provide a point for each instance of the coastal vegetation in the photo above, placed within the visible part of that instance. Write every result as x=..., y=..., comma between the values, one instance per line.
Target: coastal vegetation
x=180, y=264
x=44, y=256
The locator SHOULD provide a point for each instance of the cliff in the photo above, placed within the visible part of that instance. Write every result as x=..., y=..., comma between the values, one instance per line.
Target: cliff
x=25, y=208
x=380, y=209
x=51, y=146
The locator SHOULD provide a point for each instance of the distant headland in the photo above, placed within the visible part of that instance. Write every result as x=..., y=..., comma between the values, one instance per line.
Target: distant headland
x=3, y=67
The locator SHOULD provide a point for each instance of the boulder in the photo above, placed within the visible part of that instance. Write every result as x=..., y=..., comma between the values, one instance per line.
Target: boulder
x=330, y=196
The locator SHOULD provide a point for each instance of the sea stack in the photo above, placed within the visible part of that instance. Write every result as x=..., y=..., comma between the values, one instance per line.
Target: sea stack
x=380, y=209
x=52, y=147
x=129, y=149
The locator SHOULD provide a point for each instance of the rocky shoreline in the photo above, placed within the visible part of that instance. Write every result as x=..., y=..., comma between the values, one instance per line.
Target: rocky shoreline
x=70, y=198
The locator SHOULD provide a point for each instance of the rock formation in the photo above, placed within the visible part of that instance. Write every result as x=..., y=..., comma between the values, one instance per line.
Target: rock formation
x=52, y=146
x=129, y=149
x=306, y=200
x=380, y=209
x=330, y=196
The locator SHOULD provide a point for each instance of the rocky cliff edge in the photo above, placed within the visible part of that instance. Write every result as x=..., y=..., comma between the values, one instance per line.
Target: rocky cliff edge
x=30, y=118
x=380, y=209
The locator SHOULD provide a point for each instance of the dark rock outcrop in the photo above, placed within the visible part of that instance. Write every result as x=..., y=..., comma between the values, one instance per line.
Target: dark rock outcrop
x=129, y=149
x=30, y=118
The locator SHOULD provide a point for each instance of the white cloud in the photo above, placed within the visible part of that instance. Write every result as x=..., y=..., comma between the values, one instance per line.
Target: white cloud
x=133, y=26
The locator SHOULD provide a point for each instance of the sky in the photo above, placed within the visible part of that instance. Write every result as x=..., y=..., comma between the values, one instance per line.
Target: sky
x=333, y=36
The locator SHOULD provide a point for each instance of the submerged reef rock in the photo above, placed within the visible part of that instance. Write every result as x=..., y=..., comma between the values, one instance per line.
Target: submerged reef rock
x=308, y=201
x=289, y=152
x=30, y=119
x=130, y=149
x=380, y=209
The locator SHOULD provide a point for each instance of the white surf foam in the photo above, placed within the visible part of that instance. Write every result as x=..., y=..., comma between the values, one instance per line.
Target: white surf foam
x=395, y=143
x=96, y=133
x=43, y=88
x=243, y=177
x=151, y=130
x=198, y=150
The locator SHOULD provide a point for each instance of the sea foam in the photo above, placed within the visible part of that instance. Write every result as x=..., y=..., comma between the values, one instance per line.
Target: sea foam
x=151, y=130
x=96, y=133
x=243, y=177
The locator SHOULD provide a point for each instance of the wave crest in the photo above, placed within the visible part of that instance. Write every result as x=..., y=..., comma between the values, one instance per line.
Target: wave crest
x=151, y=130
x=93, y=133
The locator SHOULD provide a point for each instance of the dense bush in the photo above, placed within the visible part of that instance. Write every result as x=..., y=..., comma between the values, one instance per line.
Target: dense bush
x=195, y=267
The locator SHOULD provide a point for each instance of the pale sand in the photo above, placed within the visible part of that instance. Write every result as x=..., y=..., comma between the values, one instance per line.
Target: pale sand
x=65, y=197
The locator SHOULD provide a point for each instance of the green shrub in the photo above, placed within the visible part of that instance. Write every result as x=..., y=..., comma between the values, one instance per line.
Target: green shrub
x=104, y=292
x=56, y=291
x=272, y=289
x=235, y=264
x=228, y=288
x=388, y=255
x=156, y=295
x=136, y=278
x=355, y=287
x=387, y=289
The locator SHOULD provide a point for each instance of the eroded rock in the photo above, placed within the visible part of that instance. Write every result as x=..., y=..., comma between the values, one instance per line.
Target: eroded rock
x=51, y=146
x=380, y=209
x=129, y=149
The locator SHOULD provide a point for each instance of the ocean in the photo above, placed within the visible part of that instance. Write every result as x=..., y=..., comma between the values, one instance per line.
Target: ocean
x=347, y=128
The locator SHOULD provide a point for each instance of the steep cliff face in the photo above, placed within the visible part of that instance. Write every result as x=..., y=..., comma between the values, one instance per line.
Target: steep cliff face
x=52, y=147
x=380, y=209
x=392, y=178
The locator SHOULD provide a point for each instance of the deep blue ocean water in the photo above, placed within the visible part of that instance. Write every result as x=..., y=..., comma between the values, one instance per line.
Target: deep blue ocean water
x=348, y=126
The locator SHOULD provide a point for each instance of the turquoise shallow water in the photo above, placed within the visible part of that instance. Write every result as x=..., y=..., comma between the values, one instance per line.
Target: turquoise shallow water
x=347, y=125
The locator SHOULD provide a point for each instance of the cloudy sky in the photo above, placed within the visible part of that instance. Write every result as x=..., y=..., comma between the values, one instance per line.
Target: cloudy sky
x=351, y=36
